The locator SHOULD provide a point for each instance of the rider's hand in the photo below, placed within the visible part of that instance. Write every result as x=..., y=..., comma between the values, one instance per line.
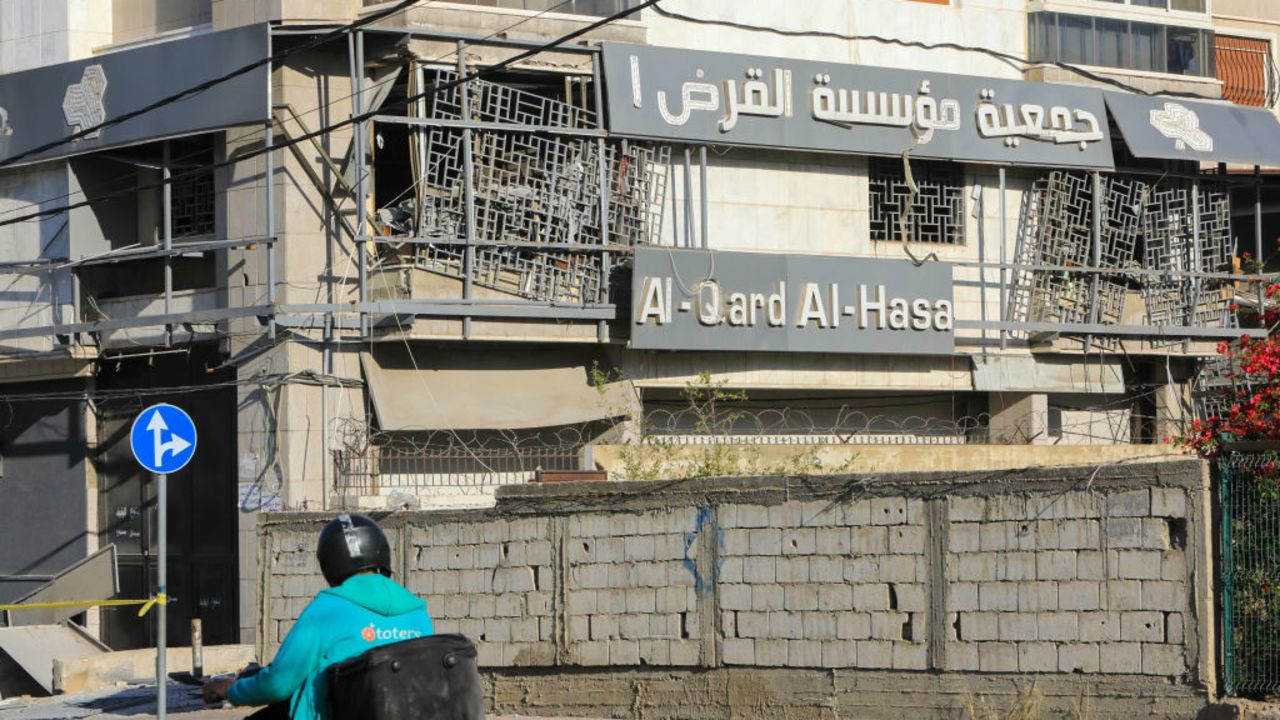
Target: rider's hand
x=215, y=690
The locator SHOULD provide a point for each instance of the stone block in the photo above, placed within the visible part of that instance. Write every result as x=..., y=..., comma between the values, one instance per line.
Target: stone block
x=624, y=653
x=962, y=596
x=997, y=657
x=760, y=570
x=839, y=654
x=835, y=598
x=765, y=542
x=1079, y=534
x=800, y=541
x=636, y=627
x=731, y=570
x=961, y=657
x=888, y=625
x=611, y=601
x=967, y=509
x=736, y=542
x=834, y=541
x=853, y=626
x=1165, y=660
x=786, y=515
x=888, y=511
x=1155, y=534
x=1175, y=632
x=655, y=652
x=753, y=624
x=792, y=569
x=862, y=570
x=765, y=598
x=869, y=540
x=900, y=568
x=1037, y=596
x=604, y=627
x=1017, y=627
x=750, y=516
x=1016, y=566
x=786, y=625
x=906, y=540
x=641, y=600
x=685, y=652
x=1091, y=565
x=1163, y=595
x=871, y=597
x=1099, y=627
x=1123, y=532
x=1124, y=595
x=804, y=653
x=638, y=548
x=819, y=513
x=856, y=513
x=910, y=656
x=1168, y=502
x=1059, y=626
x=1135, y=503
x=1142, y=627
x=800, y=597
x=1037, y=657
x=1056, y=565
x=980, y=567
x=770, y=653
x=1120, y=658
x=979, y=626
x=998, y=596
x=1139, y=565
x=873, y=654
x=992, y=537
x=1078, y=657
x=825, y=569
x=538, y=552
x=911, y=598
x=735, y=596
x=1173, y=566
x=1079, y=595
x=819, y=626
x=964, y=537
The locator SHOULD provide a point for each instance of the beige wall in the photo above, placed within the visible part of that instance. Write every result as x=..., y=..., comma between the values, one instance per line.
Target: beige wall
x=140, y=19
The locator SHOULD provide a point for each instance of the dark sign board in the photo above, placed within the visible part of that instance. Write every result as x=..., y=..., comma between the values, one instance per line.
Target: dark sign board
x=730, y=99
x=53, y=102
x=1178, y=129
x=717, y=300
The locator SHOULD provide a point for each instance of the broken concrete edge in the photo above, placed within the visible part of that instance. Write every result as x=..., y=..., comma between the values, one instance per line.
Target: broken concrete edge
x=73, y=675
x=640, y=496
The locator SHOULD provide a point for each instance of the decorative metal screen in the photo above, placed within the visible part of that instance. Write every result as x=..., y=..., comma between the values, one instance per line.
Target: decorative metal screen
x=193, y=207
x=1191, y=233
x=538, y=209
x=933, y=214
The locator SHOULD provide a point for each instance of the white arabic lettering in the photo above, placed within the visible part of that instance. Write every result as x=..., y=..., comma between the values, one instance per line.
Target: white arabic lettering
x=923, y=115
x=755, y=97
x=1028, y=120
x=689, y=101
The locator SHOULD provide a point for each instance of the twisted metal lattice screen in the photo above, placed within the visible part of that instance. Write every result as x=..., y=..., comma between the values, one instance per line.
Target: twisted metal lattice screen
x=1250, y=573
x=934, y=215
x=1172, y=230
x=539, y=222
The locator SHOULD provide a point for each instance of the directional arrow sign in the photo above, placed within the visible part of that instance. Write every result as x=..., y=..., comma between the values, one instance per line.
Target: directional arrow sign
x=163, y=438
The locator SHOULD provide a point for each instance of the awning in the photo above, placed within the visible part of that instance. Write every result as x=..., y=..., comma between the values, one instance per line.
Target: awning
x=1176, y=129
x=47, y=104
x=437, y=389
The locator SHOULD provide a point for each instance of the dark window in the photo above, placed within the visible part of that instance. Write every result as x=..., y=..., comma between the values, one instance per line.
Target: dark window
x=1127, y=44
x=934, y=215
x=1113, y=43
x=601, y=8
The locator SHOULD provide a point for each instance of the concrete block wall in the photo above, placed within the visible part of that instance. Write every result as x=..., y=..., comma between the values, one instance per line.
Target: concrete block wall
x=1092, y=575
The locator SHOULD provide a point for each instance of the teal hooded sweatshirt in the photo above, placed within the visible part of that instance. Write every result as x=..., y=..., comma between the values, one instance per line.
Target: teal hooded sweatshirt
x=363, y=612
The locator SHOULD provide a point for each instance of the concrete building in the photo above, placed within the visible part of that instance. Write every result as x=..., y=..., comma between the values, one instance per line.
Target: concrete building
x=842, y=222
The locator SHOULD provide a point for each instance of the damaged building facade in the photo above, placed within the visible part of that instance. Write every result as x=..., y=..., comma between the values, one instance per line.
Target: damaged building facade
x=472, y=262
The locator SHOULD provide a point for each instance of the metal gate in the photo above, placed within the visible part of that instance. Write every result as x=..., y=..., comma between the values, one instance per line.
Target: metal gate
x=1250, y=495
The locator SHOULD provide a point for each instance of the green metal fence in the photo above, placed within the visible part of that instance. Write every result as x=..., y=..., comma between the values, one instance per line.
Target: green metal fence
x=1250, y=497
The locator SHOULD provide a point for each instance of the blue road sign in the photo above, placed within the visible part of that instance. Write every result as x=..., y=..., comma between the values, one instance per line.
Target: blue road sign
x=163, y=438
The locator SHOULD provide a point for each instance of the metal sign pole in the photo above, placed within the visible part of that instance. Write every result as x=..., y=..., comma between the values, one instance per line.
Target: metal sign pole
x=162, y=611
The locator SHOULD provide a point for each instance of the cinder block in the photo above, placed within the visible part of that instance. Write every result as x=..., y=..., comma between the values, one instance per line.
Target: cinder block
x=636, y=627
x=736, y=651
x=770, y=653
x=1175, y=633
x=1079, y=595
x=495, y=532
x=1173, y=566
x=651, y=574
x=1037, y=596
x=497, y=630
x=750, y=516
x=524, y=630
x=684, y=652
x=1139, y=565
x=839, y=654
x=906, y=540
x=1079, y=534
x=766, y=598
x=998, y=596
x=655, y=652
x=1016, y=566
x=962, y=596
x=910, y=656
x=871, y=597
x=624, y=653
x=786, y=625
x=800, y=597
x=1124, y=595
x=861, y=570
x=1166, y=660
x=1017, y=627
x=1037, y=657
x=1168, y=502
x=888, y=625
x=967, y=509
x=819, y=513
x=753, y=624
x=853, y=626
x=1120, y=658
x=731, y=570
x=538, y=552
x=1163, y=595
x=997, y=657
x=1091, y=565
x=835, y=598
x=800, y=541
x=584, y=576
x=1142, y=627
x=976, y=567
x=825, y=569
x=1007, y=507
x=736, y=542
x=611, y=601
x=992, y=537
x=834, y=541
x=735, y=596
x=786, y=515
x=804, y=653
x=489, y=654
x=510, y=605
x=759, y=570
x=793, y=569
x=1155, y=534
x=765, y=541
x=1136, y=503
x=888, y=511
x=911, y=597
x=819, y=626
x=1059, y=626
x=964, y=537
x=517, y=579
x=604, y=627
x=1123, y=532
x=961, y=657
x=873, y=654
x=979, y=626
x=1100, y=627
x=856, y=513
x=870, y=540
x=1077, y=657
x=1056, y=565
x=900, y=568
x=915, y=511
x=640, y=547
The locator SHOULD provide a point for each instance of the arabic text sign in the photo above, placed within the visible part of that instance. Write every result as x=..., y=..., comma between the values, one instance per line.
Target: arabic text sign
x=708, y=300
x=727, y=98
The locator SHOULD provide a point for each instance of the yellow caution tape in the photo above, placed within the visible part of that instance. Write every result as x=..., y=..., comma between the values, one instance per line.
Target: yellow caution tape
x=146, y=604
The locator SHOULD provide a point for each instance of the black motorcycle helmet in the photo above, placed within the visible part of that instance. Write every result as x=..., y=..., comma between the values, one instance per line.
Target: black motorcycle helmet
x=350, y=544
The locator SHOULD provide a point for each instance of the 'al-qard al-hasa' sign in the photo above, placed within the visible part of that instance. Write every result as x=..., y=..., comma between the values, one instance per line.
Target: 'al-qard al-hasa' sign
x=709, y=300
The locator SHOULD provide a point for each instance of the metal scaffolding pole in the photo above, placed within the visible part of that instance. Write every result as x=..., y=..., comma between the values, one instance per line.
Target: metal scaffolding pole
x=702, y=160
x=468, y=188
x=1095, y=248
x=688, y=197
x=166, y=193
x=270, y=177
x=1257, y=213
x=602, y=328
x=355, y=51
x=1004, y=307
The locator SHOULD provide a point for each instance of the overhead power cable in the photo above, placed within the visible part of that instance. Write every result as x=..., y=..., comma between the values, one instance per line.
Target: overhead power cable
x=201, y=87
x=368, y=115
x=999, y=55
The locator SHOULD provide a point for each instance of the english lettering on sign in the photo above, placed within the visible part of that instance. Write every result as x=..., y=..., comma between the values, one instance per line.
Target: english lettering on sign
x=790, y=302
